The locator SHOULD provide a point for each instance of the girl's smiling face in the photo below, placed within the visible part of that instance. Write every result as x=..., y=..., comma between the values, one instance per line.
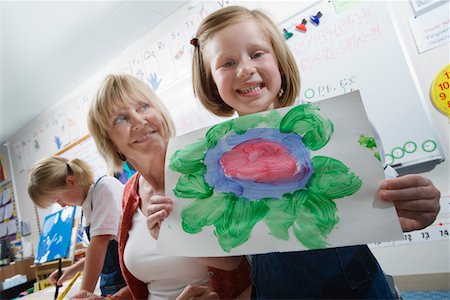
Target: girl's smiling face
x=244, y=67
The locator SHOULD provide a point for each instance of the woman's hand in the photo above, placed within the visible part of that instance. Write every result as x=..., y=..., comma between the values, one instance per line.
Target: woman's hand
x=197, y=292
x=158, y=209
x=416, y=200
x=85, y=295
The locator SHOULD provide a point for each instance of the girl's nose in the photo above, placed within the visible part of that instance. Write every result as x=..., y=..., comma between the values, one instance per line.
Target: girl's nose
x=246, y=69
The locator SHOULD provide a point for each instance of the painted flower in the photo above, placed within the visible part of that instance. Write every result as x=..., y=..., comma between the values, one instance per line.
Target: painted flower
x=260, y=168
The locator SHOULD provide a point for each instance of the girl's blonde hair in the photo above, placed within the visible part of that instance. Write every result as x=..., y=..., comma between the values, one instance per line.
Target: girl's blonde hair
x=49, y=175
x=115, y=92
x=204, y=87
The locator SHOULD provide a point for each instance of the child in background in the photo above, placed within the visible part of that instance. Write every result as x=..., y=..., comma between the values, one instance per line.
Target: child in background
x=242, y=63
x=71, y=182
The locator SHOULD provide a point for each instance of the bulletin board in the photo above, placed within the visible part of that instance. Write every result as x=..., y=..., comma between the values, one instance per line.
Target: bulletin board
x=8, y=215
x=355, y=46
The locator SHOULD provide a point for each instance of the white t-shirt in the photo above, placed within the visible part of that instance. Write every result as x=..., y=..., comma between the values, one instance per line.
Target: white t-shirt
x=166, y=276
x=102, y=207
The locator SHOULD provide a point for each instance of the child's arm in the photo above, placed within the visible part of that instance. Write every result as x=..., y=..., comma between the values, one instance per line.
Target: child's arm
x=67, y=273
x=416, y=200
x=95, y=256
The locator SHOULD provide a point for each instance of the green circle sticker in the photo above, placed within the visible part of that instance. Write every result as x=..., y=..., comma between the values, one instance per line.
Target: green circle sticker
x=410, y=147
x=398, y=152
x=429, y=146
x=309, y=93
x=388, y=159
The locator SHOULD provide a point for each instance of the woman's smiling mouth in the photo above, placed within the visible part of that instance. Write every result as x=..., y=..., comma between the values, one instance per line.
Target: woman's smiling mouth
x=144, y=137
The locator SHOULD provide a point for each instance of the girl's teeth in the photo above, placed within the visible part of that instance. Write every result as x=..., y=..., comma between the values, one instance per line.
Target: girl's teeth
x=250, y=89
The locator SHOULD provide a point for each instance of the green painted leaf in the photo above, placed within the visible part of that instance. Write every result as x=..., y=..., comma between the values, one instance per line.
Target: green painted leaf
x=331, y=178
x=204, y=212
x=192, y=186
x=242, y=124
x=314, y=129
x=316, y=216
x=273, y=119
x=367, y=141
x=280, y=217
x=236, y=225
x=190, y=159
x=215, y=133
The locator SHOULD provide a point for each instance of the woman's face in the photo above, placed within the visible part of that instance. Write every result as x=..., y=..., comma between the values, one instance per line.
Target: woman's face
x=138, y=131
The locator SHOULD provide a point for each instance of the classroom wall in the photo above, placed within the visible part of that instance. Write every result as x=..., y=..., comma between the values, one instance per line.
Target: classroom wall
x=414, y=258
x=428, y=257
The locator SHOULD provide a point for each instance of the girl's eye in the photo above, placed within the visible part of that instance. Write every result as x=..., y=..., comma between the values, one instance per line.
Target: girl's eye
x=119, y=120
x=228, y=64
x=257, y=54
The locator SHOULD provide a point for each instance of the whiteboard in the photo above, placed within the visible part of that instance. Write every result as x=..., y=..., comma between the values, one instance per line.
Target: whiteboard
x=355, y=47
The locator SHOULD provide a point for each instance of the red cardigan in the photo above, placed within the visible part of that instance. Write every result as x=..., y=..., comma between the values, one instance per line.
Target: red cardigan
x=130, y=203
x=228, y=284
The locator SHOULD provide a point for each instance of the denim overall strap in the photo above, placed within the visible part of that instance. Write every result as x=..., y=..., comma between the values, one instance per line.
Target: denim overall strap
x=111, y=279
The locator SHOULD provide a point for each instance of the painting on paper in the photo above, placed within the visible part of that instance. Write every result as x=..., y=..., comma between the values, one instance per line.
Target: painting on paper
x=56, y=235
x=296, y=178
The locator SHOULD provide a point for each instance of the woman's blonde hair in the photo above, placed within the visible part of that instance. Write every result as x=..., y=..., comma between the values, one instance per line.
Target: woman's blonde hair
x=204, y=87
x=115, y=92
x=49, y=175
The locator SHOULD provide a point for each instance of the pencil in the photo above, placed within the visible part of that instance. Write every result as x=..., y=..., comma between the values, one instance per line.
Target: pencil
x=66, y=290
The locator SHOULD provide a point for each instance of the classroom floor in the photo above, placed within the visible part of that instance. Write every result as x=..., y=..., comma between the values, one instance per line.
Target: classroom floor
x=425, y=295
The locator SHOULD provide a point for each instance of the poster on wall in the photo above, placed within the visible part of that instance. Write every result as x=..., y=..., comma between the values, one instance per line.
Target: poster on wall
x=431, y=29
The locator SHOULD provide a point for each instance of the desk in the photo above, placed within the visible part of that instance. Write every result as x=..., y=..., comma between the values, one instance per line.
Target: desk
x=49, y=293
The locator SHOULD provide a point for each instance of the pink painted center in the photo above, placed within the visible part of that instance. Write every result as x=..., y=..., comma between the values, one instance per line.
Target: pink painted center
x=259, y=161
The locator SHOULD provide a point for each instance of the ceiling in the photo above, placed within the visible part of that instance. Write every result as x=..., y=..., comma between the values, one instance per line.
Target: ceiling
x=48, y=48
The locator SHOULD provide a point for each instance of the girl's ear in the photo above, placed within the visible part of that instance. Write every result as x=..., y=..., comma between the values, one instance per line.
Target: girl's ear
x=71, y=180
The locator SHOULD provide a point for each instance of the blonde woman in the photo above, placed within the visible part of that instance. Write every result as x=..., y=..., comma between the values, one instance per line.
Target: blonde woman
x=129, y=123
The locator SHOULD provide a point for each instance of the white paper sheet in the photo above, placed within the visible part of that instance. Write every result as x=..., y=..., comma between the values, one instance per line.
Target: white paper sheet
x=8, y=211
x=362, y=217
x=6, y=196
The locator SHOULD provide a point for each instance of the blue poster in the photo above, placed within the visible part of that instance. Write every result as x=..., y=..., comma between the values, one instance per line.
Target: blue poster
x=56, y=235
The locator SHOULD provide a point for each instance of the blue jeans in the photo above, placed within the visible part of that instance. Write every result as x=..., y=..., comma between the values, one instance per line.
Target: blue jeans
x=335, y=273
